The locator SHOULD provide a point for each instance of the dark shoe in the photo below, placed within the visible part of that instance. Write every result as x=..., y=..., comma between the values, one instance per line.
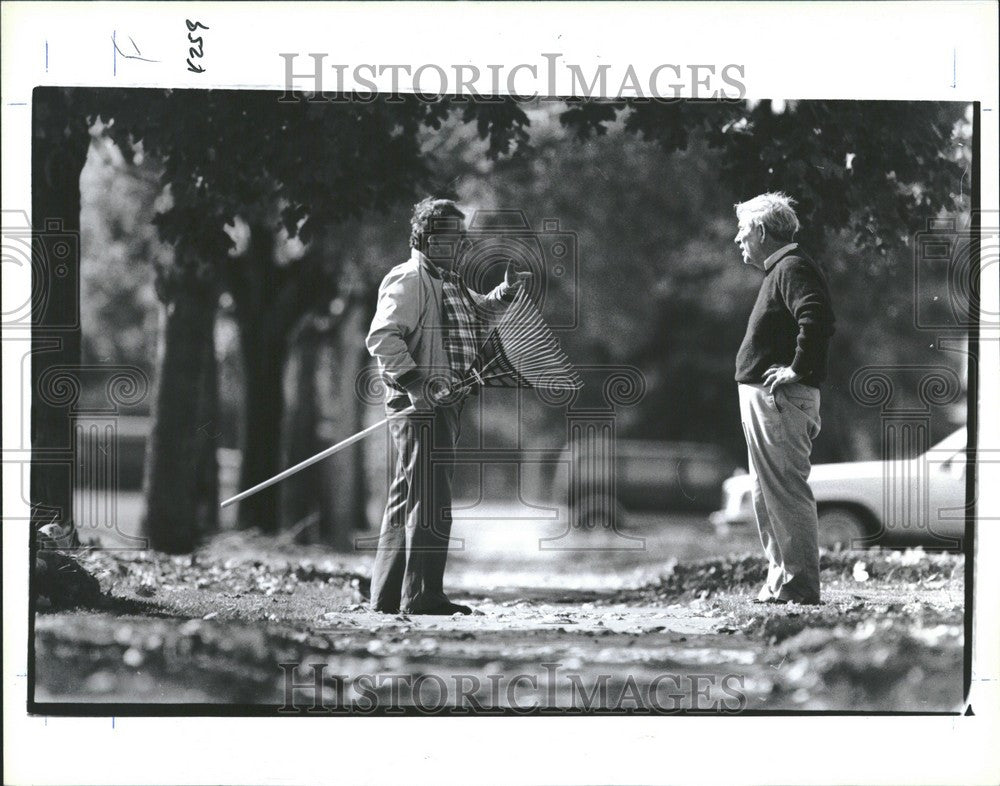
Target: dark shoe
x=810, y=602
x=770, y=601
x=442, y=610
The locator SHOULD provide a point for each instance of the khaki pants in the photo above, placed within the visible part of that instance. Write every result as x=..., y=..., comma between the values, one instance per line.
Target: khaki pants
x=408, y=573
x=780, y=430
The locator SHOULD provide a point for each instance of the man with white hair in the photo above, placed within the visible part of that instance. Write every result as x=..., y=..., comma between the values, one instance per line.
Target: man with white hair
x=779, y=368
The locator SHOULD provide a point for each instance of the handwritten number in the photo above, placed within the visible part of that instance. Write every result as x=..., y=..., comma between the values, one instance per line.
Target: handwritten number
x=197, y=51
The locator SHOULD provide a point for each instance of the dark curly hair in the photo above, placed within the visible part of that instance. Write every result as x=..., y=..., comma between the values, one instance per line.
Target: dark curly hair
x=427, y=214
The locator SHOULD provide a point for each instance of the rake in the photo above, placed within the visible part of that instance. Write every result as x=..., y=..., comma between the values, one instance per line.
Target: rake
x=520, y=351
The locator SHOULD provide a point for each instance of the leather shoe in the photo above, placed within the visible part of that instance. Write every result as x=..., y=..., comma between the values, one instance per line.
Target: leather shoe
x=441, y=610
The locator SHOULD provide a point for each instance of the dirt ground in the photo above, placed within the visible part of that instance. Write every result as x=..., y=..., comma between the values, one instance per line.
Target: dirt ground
x=584, y=621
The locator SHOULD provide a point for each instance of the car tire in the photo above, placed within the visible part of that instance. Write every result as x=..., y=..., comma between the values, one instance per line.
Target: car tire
x=842, y=528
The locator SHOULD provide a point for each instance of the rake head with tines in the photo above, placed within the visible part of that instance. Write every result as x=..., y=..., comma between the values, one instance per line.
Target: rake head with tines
x=521, y=351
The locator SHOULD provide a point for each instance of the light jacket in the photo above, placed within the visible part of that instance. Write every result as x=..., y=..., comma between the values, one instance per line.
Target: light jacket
x=407, y=332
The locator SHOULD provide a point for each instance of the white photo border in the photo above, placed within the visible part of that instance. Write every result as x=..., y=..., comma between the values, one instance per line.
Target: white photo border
x=907, y=50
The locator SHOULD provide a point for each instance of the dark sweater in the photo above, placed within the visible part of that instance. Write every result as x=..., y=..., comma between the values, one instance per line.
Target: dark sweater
x=791, y=322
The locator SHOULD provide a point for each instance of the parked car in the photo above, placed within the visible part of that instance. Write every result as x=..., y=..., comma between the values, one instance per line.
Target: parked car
x=649, y=476
x=851, y=498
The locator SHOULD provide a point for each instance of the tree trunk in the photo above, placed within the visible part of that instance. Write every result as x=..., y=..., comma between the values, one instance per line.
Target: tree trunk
x=262, y=362
x=341, y=412
x=207, y=470
x=325, y=501
x=270, y=299
x=181, y=466
x=255, y=286
x=299, y=498
x=60, y=140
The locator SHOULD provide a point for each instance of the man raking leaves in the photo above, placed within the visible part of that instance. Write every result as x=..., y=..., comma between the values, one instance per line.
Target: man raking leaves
x=436, y=342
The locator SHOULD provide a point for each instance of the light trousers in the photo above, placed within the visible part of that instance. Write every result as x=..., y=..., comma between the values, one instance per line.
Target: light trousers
x=780, y=430
x=408, y=573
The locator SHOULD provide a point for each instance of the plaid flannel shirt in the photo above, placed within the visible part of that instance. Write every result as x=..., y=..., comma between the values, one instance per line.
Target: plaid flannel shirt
x=462, y=319
x=463, y=328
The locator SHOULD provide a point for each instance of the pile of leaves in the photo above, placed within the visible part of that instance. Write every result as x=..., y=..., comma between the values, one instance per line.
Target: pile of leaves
x=706, y=578
x=147, y=572
x=909, y=566
x=61, y=582
x=239, y=574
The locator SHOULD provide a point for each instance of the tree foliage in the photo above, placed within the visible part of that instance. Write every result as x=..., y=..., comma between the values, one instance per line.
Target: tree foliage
x=229, y=153
x=303, y=166
x=660, y=283
x=879, y=169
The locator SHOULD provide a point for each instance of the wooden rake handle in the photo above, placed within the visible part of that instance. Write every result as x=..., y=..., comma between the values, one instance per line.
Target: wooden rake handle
x=314, y=459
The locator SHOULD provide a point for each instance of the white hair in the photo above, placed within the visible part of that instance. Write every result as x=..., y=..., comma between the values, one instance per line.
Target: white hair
x=774, y=211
